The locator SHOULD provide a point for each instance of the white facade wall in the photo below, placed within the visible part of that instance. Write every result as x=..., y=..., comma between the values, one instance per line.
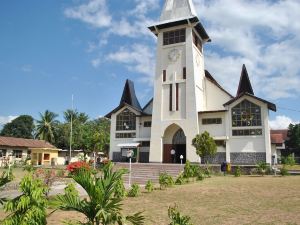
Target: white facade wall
x=214, y=97
x=259, y=143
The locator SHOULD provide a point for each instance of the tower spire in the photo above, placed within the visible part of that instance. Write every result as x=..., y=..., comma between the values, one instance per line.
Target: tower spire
x=178, y=9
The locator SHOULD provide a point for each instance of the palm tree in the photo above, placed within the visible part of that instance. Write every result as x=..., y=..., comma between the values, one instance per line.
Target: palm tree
x=103, y=206
x=70, y=114
x=45, y=126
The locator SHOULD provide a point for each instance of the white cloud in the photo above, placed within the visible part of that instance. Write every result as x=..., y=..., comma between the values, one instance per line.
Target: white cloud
x=96, y=62
x=94, y=13
x=138, y=58
x=26, y=68
x=261, y=34
x=281, y=122
x=6, y=119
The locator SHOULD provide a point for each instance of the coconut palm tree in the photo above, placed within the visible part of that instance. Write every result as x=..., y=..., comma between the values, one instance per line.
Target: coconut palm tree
x=103, y=206
x=45, y=126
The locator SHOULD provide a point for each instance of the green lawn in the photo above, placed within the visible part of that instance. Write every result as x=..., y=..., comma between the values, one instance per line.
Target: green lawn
x=219, y=200
x=216, y=200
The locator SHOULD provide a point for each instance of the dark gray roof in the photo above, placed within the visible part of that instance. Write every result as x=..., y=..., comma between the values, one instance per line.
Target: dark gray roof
x=129, y=96
x=245, y=84
x=129, y=99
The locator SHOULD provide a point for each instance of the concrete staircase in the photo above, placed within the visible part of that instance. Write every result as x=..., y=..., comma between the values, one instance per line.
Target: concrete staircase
x=142, y=172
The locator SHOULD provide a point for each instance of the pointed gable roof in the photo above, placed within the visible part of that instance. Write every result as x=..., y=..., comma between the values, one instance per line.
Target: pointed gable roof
x=245, y=84
x=177, y=10
x=245, y=89
x=128, y=99
x=129, y=96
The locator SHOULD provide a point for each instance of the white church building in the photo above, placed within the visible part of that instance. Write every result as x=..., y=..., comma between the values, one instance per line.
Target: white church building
x=188, y=101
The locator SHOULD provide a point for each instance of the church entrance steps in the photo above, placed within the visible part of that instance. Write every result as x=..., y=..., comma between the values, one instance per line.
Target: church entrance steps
x=142, y=172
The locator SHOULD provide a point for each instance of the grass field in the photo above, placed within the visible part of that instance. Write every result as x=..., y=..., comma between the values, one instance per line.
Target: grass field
x=219, y=200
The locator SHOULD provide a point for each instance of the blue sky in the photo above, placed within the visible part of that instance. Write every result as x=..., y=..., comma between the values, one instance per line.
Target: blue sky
x=50, y=50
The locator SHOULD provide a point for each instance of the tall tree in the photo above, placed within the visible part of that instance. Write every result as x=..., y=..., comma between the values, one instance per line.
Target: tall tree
x=21, y=127
x=293, y=143
x=46, y=126
x=205, y=145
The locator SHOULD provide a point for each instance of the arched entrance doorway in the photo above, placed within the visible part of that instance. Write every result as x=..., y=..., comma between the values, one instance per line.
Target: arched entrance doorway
x=174, y=138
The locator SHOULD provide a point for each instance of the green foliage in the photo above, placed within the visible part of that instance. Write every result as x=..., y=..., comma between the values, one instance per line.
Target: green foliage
x=134, y=191
x=188, y=171
x=293, y=136
x=289, y=160
x=284, y=171
x=102, y=205
x=149, y=186
x=176, y=218
x=5, y=178
x=46, y=125
x=205, y=145
x=237, y=171
x=21, y=127
x=165, y=180
x=30, y=207
x=262, y=168
x=29, y=168
x=71, y=190
x=120, y=190
x=180, y=180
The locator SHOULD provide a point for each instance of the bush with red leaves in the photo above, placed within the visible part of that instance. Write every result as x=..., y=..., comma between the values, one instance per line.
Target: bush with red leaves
x=74, y=166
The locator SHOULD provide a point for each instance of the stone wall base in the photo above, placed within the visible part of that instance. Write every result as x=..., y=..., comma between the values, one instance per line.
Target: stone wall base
x=217, y=159
x=247, y=158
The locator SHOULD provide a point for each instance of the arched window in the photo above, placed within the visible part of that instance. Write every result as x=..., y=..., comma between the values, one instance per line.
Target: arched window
x=179, y=138
x=126, y=120
x=246, y=114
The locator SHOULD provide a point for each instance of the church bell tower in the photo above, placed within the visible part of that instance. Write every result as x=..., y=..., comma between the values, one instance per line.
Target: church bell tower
x=179, y=90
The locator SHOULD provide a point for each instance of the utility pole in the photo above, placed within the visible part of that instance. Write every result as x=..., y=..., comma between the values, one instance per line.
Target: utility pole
x=71, y=132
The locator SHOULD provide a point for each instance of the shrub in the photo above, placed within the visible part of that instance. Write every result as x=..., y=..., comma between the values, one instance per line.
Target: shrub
x=262, y=168
x=176, y=218
x=75, y=166
x=120, y=191
x=149, y=186
x=188, y=171
x=71, y=189
x=180, y=179
x=30, y=207
x=165, y=180
x=134, y=191
x=237, y=171
x=28, y=168
x=284, y=171
x=289, y=160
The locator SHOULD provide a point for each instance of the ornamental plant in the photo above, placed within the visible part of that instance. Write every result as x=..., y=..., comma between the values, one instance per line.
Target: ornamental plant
x=237, y=171
x=165, y=180
x=176, y=217
x=101, y=207
x=75, y=166
x=120, y=191
x=30, y=207
x=149, y=186
x=134, y=191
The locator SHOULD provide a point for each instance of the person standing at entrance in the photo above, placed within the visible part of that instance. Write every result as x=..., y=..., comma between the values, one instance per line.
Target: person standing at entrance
x=173, y=152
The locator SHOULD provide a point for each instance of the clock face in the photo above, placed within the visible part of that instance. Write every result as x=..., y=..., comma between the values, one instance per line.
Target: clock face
x=174, y=55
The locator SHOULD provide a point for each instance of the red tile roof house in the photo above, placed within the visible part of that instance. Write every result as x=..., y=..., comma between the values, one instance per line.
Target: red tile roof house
x=18, y=149
x=278, y=138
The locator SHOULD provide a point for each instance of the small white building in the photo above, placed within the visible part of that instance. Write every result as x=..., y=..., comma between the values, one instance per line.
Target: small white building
x=188, y=101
